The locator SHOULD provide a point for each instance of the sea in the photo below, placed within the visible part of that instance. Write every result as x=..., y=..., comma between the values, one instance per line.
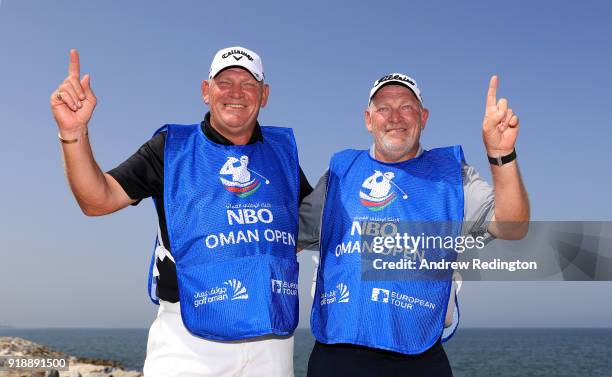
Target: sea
x=472, y=352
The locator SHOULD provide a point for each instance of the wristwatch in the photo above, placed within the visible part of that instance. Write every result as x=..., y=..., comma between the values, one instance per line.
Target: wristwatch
x=501, y=160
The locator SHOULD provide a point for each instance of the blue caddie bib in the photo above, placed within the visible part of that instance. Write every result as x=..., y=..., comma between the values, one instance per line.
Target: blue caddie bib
x=363, y=196
x=231, y=214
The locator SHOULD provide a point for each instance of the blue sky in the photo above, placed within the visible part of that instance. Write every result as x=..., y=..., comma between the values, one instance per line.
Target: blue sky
x=147, y=59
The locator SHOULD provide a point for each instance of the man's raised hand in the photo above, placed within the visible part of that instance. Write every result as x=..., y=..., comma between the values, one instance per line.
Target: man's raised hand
x=73, y=102
x=500, y=125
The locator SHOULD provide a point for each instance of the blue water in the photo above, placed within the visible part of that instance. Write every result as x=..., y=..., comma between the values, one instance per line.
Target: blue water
x=472, y=352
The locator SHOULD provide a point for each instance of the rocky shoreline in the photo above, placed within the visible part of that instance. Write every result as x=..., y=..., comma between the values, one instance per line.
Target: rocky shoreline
x=78, y=366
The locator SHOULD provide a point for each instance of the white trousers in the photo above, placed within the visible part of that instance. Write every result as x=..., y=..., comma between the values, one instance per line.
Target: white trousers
x=173, y=351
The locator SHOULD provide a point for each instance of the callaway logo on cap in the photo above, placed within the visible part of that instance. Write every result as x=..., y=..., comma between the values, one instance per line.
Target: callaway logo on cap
x=237, y=57
x=397, y=78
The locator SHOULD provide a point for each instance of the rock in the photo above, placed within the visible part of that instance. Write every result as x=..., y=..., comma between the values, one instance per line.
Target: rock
x=79, y=366
x=21, y=347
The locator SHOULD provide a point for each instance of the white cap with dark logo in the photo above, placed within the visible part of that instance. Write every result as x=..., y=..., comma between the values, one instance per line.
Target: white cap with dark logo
x=237, y=57
x=396, y=79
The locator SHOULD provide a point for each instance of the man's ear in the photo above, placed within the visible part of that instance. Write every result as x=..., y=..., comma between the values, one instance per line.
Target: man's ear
x=424, y=116
x=368, y=120
x=265, y=94
x=205, y=91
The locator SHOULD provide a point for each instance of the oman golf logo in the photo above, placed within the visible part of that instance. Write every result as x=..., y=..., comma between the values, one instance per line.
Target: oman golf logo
x=343, y=292
x=239, y=290
x=380, y=194
x=242, y=183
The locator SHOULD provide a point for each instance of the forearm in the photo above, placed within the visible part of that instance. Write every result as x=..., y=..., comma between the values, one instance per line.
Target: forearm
x=511, y=218
x=92, y=189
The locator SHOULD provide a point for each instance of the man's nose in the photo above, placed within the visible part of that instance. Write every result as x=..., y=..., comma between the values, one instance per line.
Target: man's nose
x=236, y=91
x=395, y=116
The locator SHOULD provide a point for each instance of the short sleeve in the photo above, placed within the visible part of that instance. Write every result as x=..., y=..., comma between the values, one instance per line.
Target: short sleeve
x=311, y=210
x=479, y=203
x=142, y=174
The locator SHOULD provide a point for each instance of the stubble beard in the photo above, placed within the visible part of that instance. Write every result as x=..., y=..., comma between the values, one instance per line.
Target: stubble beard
x=395, y=149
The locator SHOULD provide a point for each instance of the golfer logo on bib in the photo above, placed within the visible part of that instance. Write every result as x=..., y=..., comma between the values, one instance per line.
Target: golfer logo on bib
x=378, y=194
x=244, y=181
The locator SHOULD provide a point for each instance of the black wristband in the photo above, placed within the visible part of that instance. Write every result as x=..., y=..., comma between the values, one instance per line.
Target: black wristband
x=501, y=160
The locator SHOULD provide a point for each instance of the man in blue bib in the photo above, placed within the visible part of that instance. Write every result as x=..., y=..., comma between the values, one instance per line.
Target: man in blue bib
x=226, y=191
x=390, y=326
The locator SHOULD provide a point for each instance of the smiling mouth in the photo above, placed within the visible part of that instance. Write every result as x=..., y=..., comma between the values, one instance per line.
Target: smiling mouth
x=234, y=106
x=397, y=130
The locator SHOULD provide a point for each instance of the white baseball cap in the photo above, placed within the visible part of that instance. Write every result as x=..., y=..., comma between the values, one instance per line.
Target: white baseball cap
x=396, y=78
x=237, y=57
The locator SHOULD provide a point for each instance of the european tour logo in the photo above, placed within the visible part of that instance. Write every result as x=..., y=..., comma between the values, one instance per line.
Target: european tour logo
x=380, y=191
x=244, y=181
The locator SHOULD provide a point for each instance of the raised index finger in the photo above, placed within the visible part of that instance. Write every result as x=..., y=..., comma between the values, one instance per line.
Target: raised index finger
x=74, y=69
x=492, y=92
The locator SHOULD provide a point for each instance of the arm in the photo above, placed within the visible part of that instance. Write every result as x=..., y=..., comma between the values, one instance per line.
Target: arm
x=72, y=105
x=450, y=308
x=311, y=210
x=499, y=132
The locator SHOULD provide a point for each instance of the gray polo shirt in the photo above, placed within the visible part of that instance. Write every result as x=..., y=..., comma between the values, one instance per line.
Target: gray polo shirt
x=478, y=207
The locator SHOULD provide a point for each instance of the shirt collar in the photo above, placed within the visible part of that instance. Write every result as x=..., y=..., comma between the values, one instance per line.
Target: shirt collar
x=373, y=154
x=214, y=135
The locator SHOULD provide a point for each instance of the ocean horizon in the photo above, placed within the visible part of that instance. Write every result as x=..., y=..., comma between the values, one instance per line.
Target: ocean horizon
x=473, y=352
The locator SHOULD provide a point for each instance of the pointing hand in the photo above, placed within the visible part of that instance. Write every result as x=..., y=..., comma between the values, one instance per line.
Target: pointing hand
x=500, y=125
x=73, y=102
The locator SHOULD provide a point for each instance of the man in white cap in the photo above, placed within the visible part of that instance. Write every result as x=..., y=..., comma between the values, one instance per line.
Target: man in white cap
x=394, y=325
x=224, y=267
